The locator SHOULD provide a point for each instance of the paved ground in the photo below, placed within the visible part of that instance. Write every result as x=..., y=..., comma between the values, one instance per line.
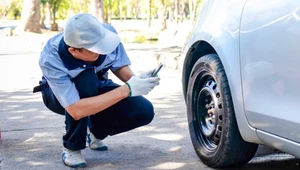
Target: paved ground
x=31, y=134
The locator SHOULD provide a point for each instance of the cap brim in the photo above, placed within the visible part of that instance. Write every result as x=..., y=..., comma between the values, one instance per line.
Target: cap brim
x=107, y=44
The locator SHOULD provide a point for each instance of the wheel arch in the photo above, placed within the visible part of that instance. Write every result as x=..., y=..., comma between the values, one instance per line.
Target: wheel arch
x=197, y=50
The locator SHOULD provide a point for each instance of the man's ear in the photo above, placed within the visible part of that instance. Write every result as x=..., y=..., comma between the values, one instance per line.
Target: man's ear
x=72, y=50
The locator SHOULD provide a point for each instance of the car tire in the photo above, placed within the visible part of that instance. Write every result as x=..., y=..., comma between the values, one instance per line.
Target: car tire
x=211, y=118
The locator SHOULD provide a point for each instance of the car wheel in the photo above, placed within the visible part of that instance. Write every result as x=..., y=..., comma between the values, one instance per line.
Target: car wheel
x=212, y=123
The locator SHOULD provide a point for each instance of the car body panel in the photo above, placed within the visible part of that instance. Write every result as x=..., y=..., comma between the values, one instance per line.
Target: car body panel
x=279, y=143
x=218, y=25
x=270, y=49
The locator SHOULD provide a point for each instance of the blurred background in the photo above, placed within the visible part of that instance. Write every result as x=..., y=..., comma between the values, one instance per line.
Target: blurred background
x=159, y=27
x=146, y=19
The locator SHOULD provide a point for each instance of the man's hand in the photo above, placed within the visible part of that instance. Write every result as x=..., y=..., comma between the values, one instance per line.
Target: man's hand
x=146, y=74
x=140, y=86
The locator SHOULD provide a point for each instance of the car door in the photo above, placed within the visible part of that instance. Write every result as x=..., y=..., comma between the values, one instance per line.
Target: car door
x=270, y=65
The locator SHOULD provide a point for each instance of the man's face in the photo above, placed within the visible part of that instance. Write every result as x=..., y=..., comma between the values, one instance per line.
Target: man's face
x=83, y=54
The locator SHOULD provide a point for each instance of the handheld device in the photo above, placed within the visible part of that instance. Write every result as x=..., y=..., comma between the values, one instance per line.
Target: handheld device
x=154, y=73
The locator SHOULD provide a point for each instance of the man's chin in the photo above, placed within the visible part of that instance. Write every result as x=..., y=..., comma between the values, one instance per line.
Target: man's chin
x=93, y=60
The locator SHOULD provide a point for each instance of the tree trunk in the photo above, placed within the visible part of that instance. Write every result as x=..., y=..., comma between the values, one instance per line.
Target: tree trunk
x=122, y=13
x=125, y=13
x=176, y=11
x=120, y=9
x=184, y=10
x=54, y=25
x=31, y=16
x=193, y=10
x=107, y=10
x=149, y=13
x=136, y=9
x=43, y=16
x=97, y=9
x=50, y=14
x=106, y=17
x=163, y=15
x=81, y=4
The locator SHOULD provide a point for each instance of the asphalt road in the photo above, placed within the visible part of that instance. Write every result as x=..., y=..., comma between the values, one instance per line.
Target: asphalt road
x=31, y=134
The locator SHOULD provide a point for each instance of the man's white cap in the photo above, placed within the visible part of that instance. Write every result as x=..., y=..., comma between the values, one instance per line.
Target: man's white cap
x=85, y=31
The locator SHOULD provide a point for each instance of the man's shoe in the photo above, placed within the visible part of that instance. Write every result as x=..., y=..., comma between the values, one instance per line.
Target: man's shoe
x=96, y=144
x=73, y=159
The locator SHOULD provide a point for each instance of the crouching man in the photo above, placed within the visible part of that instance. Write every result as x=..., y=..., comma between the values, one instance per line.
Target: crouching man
x=75, y=84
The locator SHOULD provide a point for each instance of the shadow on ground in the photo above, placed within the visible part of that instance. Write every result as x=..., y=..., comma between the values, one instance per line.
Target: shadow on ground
x=29, y=131
x=32, y=139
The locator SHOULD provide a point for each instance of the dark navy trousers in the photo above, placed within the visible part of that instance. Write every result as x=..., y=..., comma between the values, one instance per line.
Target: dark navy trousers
x=129, y=113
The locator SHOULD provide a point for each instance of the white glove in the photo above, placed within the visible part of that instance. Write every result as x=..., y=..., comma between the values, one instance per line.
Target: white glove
x=146, y=74
x=138, y=86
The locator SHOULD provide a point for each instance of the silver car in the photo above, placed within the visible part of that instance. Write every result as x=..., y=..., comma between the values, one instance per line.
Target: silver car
x=241, y=79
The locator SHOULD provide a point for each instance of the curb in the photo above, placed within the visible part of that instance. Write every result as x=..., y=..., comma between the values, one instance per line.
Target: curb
x=153, y=56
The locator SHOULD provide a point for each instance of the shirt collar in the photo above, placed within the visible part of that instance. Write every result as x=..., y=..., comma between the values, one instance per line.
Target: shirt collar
x=72, y=63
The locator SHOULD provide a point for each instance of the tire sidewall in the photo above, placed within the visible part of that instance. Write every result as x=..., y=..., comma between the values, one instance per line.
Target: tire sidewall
x=203, y=66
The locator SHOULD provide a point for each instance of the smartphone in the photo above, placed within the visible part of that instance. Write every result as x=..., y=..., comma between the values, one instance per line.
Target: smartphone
x=154, y=73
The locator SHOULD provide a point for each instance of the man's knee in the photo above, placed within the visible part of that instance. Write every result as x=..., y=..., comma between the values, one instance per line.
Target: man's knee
x=148, y=118
x=147, y=112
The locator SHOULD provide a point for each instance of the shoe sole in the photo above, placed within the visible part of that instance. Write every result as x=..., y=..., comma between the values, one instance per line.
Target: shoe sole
x=73, y=166
x=105, y=148
x=77, y=165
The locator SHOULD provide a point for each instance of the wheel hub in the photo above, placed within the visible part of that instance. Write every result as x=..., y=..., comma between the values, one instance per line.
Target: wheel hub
x=208, y=118
x=208, y=114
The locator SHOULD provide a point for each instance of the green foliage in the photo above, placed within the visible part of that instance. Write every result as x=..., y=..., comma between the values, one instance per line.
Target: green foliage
x=139, y=39
x=64, y=8
x=4, y=5
x=129, y=9
x=44, y=2
x=62, y=12
x=11, y=9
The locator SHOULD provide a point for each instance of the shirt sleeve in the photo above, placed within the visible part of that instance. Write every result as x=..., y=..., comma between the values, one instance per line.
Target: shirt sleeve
x=122, y=58
x=60, y=83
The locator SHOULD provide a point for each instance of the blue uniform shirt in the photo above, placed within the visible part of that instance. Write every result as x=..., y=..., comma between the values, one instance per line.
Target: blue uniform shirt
x=59, y=67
